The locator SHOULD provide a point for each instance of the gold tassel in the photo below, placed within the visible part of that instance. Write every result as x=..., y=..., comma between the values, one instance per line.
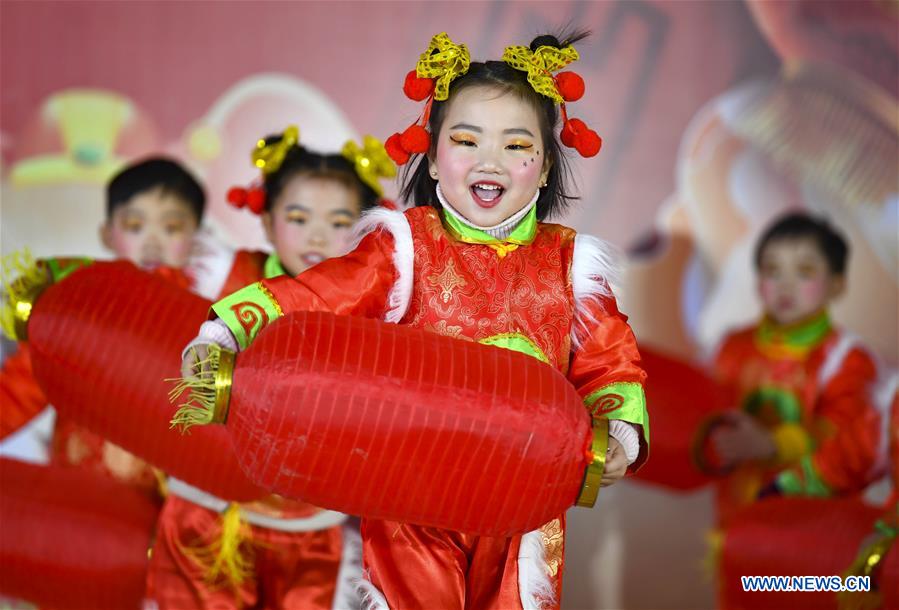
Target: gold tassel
x=23, y=279
x=714, y=540
x=199, y=408
x=865, y=564
x=225, y=558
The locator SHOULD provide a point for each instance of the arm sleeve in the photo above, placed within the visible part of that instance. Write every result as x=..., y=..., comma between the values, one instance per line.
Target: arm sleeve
x=357, y=284
x=845, y=434
x=606, y=372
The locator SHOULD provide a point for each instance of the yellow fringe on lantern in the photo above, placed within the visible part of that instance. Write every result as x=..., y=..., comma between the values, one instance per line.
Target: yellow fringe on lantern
x=225, y=558
x=20, y=276
x=199, y=408
x=714, y=540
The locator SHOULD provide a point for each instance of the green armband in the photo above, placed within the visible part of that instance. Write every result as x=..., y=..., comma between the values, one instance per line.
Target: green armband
x=248, y=311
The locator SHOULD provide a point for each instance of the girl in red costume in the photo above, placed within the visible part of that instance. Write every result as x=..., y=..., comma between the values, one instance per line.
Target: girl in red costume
x=272, y=553
x=807, y=424
x=474, y=260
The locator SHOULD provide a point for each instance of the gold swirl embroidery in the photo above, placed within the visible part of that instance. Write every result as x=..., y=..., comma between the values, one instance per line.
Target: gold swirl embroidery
x=553, y=545
x=442, y=328
x=448, y=280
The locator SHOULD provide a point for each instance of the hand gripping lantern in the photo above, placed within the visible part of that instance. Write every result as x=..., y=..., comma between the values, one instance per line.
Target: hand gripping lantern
x=394, y=422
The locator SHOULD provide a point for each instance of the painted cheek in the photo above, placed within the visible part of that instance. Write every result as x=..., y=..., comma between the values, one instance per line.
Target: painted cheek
x=528, y=173
x=289, y=236
x=813, y=291
x=768, y=289
x=126, y=245
x=178, y=251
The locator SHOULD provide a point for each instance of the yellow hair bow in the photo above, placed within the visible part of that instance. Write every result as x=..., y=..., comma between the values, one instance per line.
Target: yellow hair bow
x=540, y=65
x=443, y=61
x=371, y=162
x=269, y=157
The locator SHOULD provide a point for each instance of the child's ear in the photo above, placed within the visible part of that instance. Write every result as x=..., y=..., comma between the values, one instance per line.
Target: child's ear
x=432, y=167
x=106, y=235
x=268, y=224
x=837, y=286
x=544, y=175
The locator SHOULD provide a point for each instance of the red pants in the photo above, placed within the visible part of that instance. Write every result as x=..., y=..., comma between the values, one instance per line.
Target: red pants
x=293, y=570
x=424, y=567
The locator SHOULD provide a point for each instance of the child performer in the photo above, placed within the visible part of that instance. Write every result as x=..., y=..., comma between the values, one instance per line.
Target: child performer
x=153, y=209
x=474, y=260
x=283, y=554
x=806, y=423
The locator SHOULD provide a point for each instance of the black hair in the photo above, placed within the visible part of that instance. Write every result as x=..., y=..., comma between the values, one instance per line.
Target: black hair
x=419, y=188
x=151, y=174
x=301, y=160
x=803, y=226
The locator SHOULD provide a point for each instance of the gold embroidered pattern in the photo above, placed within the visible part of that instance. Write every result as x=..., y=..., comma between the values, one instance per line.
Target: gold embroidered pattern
x=554, y=545
x=448, y=280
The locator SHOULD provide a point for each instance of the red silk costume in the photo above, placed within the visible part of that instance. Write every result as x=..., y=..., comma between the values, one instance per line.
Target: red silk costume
x=290, y=569
x=526, y=294
x=812, y=387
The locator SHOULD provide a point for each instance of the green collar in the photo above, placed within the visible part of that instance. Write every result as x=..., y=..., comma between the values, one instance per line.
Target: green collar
x=801, y=335
x=521, y=235
x=273, y=267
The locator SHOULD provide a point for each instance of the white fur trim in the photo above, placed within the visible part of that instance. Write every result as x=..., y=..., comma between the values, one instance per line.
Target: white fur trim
x=594, y=270
x=835, y=357
x=209, y=265
x=346, y=595
x=626, y=433
x=321, y=520
x=534, y=585
x=395, y=223
x=372, y=598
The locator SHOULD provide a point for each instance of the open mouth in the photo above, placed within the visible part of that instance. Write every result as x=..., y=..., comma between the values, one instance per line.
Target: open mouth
x=486, y=194
x=312, y=258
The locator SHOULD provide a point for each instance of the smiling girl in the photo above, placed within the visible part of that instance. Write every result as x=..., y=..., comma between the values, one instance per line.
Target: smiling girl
x=474, y=260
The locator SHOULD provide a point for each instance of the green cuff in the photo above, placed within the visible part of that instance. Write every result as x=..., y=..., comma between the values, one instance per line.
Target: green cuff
x=624, y=400
x=248, y=311
x=61, y=268
x=803, y=480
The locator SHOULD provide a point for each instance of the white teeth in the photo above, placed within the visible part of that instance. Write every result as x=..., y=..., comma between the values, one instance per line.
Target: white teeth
x=488, y=187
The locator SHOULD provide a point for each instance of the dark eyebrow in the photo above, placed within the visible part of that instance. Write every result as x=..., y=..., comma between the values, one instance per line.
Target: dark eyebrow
x=467, y=126
x=518, y=130
x=297, y=206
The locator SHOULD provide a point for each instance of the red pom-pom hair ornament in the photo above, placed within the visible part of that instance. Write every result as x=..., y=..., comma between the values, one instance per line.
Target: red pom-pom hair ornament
x=416, y=140
x=416, y=88
x=570, y=85
x=395, y=150
x=575, y=134
x=253, y=199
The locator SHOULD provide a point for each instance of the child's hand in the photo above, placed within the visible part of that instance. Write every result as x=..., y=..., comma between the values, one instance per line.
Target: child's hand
x=742, y=439
x=197, y=351
x=191, y=359
x=616, y=464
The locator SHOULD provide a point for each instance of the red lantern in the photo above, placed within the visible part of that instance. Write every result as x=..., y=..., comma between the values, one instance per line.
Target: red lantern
x=72, y=539
x=394, y=422
x=103, y=341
